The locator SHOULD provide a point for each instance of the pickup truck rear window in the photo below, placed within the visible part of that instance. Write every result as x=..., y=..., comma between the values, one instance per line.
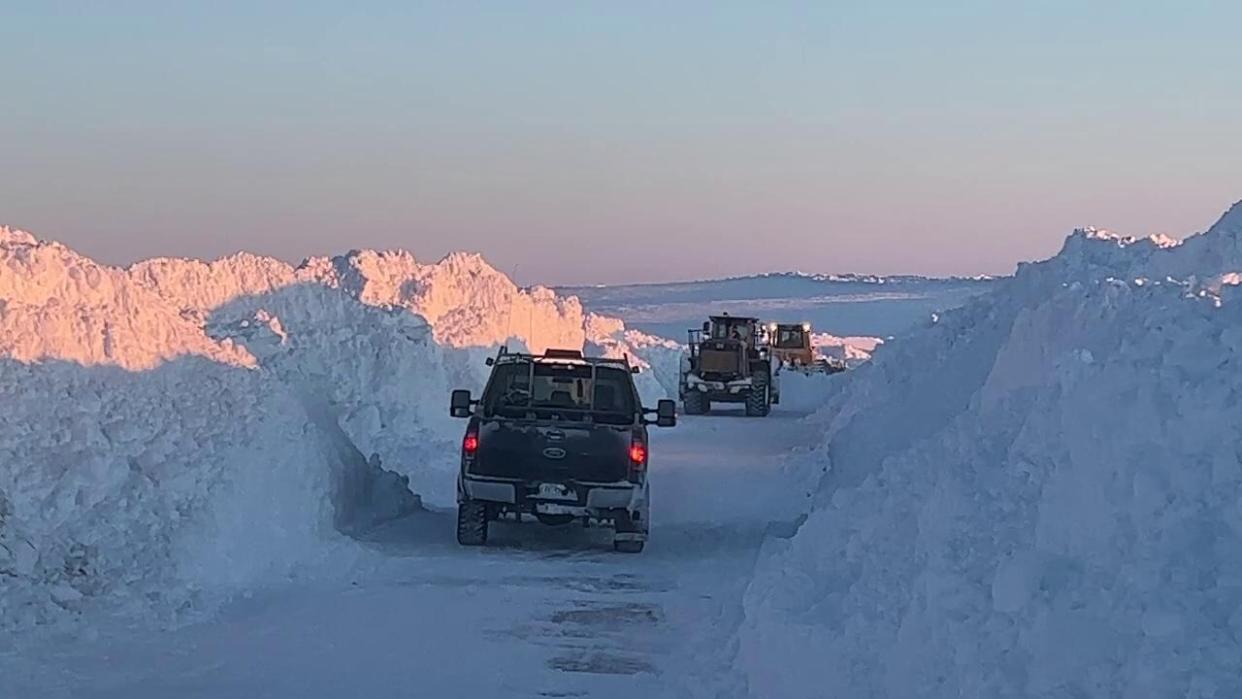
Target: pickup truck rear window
x=568, y=391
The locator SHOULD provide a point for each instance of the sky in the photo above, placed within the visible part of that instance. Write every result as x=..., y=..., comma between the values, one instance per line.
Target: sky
x=605, y=142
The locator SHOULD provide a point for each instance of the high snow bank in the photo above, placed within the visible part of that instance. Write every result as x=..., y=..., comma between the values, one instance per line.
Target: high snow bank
x=116, y=484
x=375, y=374
x=181, y=426
x=1037, y=495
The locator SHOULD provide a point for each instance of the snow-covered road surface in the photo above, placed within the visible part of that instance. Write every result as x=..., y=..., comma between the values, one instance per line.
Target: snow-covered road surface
x=549, y=612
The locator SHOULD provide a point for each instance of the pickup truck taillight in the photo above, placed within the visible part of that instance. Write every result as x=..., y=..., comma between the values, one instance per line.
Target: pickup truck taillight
x=470, y=443
x=638, y=453
x=638, y=459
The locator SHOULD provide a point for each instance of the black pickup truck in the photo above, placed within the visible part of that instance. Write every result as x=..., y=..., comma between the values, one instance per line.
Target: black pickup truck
x=557, y=437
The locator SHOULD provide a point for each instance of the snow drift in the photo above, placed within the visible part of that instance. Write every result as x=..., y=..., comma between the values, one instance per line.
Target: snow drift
x=1037, y=495
x=179, y=428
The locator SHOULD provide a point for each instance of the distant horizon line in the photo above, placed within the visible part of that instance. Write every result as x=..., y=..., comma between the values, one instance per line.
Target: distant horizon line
x=829, y=278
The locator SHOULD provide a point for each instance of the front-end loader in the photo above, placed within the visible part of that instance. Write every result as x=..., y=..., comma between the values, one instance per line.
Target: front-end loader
x=790, y=346
x=729, y=362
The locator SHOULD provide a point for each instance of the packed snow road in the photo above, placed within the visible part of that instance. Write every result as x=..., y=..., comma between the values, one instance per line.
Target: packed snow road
x=540, y=612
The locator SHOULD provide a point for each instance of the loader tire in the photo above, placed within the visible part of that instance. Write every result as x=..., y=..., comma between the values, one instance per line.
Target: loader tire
x=695, y=403
x=758, y=401
x=471, y=523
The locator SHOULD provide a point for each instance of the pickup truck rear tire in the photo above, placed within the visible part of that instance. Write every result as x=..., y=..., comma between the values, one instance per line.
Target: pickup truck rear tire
x=471, y=523
x=625, y=524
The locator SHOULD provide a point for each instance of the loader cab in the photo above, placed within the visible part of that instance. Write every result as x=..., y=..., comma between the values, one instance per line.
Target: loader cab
x=790, y=336
x=726, y=327
x=790, y=343
x=727, y=347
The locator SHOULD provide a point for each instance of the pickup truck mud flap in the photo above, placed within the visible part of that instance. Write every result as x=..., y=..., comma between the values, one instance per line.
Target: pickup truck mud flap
x=490, y=491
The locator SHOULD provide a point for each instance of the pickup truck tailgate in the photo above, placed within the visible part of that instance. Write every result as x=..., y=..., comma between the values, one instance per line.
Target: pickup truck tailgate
x=552, y=451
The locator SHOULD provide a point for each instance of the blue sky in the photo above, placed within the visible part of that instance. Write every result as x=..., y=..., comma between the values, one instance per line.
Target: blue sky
x=607, y=142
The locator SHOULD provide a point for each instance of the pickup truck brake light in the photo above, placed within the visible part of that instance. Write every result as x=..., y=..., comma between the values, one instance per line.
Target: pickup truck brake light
x=638, y=459
x=470, y=443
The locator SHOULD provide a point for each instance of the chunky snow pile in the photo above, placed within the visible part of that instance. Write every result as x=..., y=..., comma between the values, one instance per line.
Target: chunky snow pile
x=851, y=350
x=180, y=427
x=56, y=303
x=466, y=301
x=1038, y=495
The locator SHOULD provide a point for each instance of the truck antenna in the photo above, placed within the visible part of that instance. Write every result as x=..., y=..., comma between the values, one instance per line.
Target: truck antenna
x=509, y=315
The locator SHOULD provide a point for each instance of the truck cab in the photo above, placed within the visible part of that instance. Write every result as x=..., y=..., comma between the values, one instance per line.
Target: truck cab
x=556, y=437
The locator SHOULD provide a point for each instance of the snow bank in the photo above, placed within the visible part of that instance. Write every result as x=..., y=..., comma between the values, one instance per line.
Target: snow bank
x=119, y=483
x=1038, y=495
x=178, y=429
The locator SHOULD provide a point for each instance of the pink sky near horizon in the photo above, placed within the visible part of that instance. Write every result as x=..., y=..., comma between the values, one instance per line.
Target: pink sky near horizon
x=989, y=249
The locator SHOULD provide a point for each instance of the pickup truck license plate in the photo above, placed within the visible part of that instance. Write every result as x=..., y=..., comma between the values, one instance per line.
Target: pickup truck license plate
x=556, y=491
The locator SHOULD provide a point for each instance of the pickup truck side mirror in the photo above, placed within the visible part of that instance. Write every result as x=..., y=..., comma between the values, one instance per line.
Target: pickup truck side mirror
x=666, y=413
x=460, y=403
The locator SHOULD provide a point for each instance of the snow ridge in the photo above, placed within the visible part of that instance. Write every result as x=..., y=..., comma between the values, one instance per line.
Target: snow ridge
x=177, y=429
x=1036, y=495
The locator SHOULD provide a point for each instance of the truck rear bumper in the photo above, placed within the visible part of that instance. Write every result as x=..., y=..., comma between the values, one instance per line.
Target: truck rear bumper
x=590, y=498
